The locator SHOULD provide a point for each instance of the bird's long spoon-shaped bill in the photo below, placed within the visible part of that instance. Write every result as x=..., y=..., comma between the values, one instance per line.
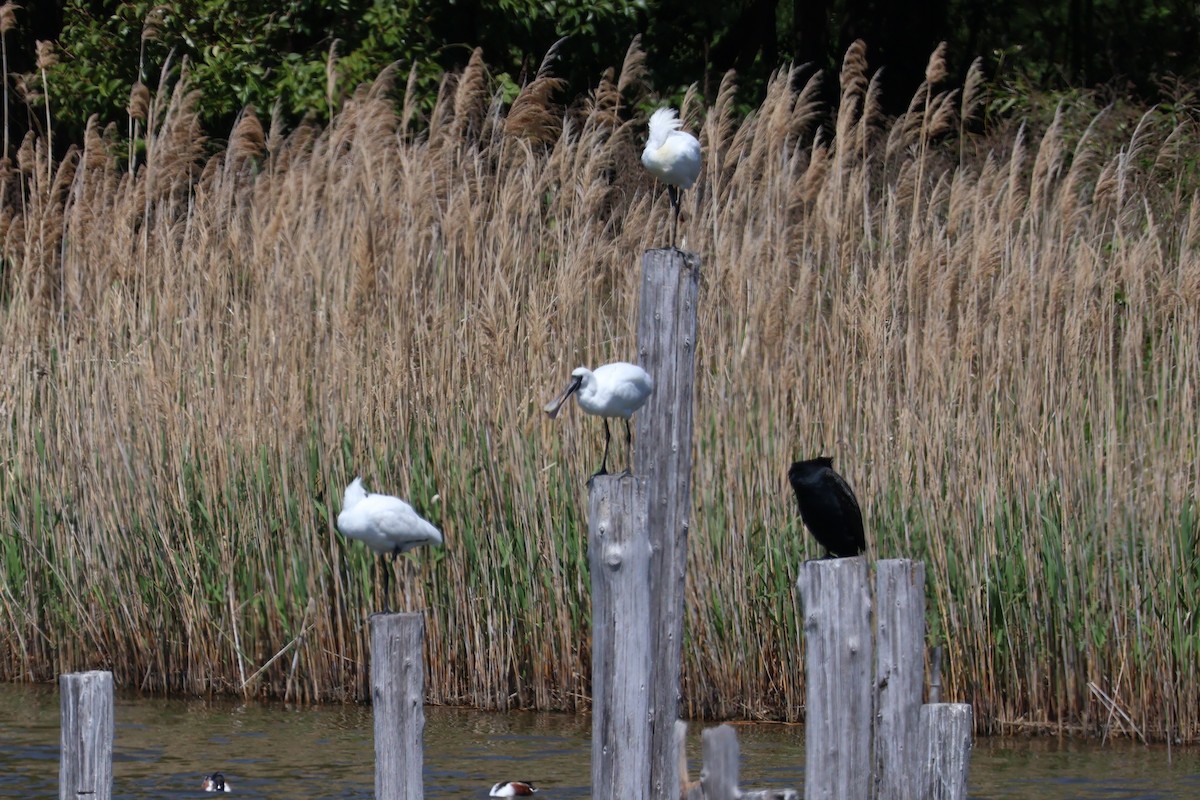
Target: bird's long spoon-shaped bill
x=552, y=408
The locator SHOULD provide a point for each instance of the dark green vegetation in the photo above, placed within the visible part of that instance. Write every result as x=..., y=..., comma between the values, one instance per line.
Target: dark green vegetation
x=304, y=57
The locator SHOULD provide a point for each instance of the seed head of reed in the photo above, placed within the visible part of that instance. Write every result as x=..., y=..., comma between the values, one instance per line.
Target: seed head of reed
x=8, y=17
x=47, y=56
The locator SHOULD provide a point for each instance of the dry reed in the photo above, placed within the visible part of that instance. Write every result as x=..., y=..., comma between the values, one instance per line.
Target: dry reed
x=998, y=346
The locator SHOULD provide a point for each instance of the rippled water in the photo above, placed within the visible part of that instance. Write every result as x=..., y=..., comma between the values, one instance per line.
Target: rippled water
x=164, y=747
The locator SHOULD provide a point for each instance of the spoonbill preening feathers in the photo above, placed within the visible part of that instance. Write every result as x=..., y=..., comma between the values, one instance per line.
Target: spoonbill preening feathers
x=672, y=156
x=612, y=390
x=386, y=524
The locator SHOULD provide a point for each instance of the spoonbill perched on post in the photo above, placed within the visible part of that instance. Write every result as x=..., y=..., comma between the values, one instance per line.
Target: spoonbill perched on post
x=828, y=507
x=612, y=390
x=672, y=156
x=386, y=524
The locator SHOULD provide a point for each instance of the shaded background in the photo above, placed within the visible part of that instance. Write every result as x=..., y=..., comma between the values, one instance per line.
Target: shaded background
x=248, y=52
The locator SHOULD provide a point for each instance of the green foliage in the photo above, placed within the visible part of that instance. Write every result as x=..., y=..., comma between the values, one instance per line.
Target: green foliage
x=238, y=53
x=305, y=58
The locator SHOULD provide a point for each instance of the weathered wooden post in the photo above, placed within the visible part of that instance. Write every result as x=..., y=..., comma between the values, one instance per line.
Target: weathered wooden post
x=945, y=734
x=837, y=636
x=719, y=777
x=619, y=560
x=663, y=456
x=719, y=773
x=899, y=676
x=85, y=765
x=398, y=704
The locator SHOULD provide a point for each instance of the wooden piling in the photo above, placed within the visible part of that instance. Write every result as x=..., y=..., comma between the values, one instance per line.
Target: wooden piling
x=398, y=704
x=619, y=561
x=837, y=636
x=945, y=734
x=85, y=765
x=719, y=778
x=899, y=676
x=719, y=775
x=663, y=456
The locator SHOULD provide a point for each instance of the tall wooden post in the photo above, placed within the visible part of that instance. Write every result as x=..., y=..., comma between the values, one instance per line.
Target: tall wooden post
x=719, y=777
x=899, y=676
x=619, y=560
x=398, y=704
x=663, y=456
x=837, y=719
x=85, y=765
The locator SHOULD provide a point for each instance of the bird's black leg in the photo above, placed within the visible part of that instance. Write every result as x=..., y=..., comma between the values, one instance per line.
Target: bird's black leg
x=375, y=578
x=603, y=462
x=673, y=193
x=396, y=554
x=384, y=599
x=628, y=447
x=388, y=567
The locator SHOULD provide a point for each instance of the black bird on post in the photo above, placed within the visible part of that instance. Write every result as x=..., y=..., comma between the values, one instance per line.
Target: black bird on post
x=828, y=507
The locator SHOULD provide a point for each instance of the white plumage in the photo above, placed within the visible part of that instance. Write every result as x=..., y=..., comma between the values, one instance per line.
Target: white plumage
x=386, y=524
x=215, y=783
x=383, y=523
x=612, y=390
x=512, y=789
x=672, y=156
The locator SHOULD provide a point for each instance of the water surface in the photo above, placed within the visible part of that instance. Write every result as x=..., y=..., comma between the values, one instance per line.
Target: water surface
x=164, y=747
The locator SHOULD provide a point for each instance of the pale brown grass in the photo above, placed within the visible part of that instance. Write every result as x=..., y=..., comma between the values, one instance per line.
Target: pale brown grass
x=995, y=339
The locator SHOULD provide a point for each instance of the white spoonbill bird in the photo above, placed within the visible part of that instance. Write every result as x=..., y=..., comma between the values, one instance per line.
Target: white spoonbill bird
x=612, y=390
x=386, y=524
x=672, y=156
x=512, y=789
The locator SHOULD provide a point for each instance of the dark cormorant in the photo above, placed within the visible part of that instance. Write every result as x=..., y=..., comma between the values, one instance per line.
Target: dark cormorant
x=828, y=507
